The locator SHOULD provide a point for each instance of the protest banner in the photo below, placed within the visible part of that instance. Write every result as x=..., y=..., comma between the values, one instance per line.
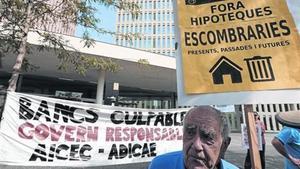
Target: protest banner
x=236, y=52
x=41, y=131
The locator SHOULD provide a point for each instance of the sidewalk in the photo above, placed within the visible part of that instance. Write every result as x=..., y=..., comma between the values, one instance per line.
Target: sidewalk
x=235, y=154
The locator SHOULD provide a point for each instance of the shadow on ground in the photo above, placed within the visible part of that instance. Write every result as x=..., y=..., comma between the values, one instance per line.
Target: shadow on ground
x=272, y=162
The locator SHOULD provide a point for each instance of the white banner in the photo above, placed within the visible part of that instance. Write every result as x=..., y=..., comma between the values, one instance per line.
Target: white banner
x=41, y=131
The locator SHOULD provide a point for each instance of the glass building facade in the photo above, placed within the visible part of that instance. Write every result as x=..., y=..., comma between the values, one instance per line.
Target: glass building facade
x=155, y=26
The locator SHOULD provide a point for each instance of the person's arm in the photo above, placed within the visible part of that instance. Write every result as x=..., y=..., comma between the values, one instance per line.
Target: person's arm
x=280, y=148
x=278, y=145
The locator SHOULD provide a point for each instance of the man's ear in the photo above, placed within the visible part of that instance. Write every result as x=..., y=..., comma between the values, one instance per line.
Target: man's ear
x=226, y=143
x=224, y=147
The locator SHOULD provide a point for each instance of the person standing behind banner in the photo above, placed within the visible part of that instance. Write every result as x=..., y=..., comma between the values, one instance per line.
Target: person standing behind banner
x=247, y=163
x=205, y=140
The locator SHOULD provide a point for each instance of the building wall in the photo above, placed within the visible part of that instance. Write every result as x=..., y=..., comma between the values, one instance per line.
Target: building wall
x=155, y=26
x=55, y=25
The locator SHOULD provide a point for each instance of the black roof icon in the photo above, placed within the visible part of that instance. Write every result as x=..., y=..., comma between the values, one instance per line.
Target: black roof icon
x=224, y=66
x=199, y=2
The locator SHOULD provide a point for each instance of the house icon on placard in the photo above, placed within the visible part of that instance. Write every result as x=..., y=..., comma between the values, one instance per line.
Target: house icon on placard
x=224, y=66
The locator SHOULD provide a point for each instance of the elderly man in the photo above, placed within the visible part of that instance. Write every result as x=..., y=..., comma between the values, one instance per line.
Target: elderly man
x=205, y=140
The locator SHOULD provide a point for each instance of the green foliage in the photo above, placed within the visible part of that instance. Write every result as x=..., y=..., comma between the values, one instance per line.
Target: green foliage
x=143, y=63
x=28, y=66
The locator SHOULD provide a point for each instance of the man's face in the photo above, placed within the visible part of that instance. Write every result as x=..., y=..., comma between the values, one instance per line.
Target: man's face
x=202, y=140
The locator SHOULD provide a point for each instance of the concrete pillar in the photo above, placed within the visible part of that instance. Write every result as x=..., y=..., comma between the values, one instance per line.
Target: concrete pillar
x=100, y=87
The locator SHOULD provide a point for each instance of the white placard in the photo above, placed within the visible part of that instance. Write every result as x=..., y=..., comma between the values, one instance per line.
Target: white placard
x=229, y=98
x=245, y=141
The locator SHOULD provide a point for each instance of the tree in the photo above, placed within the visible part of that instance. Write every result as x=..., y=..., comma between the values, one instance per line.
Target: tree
x=19, y=17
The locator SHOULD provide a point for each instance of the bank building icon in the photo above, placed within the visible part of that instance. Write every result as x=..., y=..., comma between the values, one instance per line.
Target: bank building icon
x=260, y=68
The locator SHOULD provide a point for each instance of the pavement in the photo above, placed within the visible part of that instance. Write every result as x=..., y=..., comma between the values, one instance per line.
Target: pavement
x=235, y=154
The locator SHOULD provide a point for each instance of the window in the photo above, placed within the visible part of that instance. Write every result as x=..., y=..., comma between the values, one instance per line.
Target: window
x=173, y=42
x=149, y=30
x=150, y=17
x=158, y=4
x=168, y=16
x=168, y=43
x=131, y=29
x=135, y=42
x=173, y=30
x=140, y=43
x=173, y=16
x=163, y=4
x=158, y=29
x=164, y=43
x=168, y=29
x=149, y=44
x=163, y=30
x=150, y=4
x=145, y=42
x=158, y=42
x=122, y=29
x=168, y=4
x=158, y=17
x=141, y=29
x=145, y=29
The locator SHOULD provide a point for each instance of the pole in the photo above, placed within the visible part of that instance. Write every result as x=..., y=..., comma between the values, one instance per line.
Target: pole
x=100, y=87
x=252, y=137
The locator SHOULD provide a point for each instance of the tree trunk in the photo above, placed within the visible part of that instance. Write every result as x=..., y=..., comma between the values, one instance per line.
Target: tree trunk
x=12, y=84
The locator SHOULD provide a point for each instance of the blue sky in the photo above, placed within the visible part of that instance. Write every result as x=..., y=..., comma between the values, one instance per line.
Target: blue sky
x=108, y=20
x=294, y=7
